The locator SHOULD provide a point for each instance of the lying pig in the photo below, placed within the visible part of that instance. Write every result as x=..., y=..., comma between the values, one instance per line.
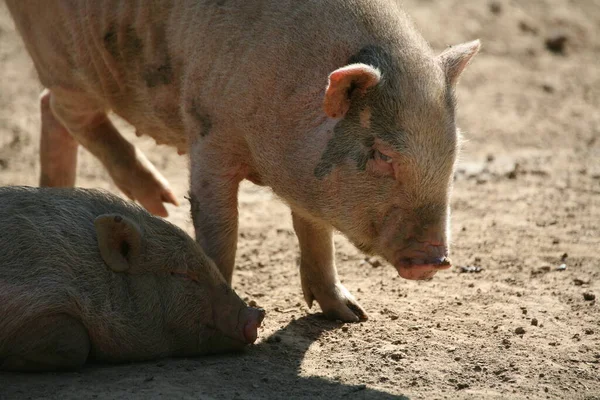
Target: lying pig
x=85, y=275
x=340, y=106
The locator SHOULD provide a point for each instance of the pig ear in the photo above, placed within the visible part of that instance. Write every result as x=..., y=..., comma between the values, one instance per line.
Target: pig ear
x=343, y=83
x=455, y=59
x=119, y=241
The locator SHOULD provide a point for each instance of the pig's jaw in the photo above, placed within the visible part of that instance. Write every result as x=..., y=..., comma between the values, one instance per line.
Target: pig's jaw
x=411, y=271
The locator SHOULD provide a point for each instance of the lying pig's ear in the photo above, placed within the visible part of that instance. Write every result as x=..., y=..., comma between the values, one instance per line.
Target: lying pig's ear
x=456, y=58
x=343, y=83
x=119, y=241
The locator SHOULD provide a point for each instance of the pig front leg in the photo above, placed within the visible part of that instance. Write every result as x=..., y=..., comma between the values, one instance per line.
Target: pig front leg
x=47, y=343
x=318, y=273
x=215, y=180
x=58, y=149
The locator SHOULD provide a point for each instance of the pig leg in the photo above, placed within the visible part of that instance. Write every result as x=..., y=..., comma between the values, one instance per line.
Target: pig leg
x=129, y=168
x=47, y=343
x=213, y=197
x=58, y=149
x=318, y=273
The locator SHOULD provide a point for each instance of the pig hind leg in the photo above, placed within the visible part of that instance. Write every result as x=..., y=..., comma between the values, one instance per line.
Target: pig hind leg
x=58, y=149
x=128, y=166
x=48, y=343
x=318, y=273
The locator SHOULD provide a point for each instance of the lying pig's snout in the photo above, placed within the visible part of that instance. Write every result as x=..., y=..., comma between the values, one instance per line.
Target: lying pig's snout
x=253, y=322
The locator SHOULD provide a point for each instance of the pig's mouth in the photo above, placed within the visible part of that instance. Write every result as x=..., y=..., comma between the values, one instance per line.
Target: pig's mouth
x=420, y=269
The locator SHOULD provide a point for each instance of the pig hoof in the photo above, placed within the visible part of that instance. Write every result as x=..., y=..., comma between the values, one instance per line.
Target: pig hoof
x=142, y=182
x=151, y=195
x=339, y=304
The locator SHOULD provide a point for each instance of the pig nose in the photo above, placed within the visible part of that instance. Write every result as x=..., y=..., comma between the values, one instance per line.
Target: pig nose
x=425, y=253
x=255, y=318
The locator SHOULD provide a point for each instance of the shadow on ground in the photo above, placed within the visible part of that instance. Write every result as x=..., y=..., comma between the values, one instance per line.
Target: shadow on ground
x=269, y=370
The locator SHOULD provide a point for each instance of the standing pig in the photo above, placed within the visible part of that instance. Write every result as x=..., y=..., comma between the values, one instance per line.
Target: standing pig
x=84, y=275
x=340, y=106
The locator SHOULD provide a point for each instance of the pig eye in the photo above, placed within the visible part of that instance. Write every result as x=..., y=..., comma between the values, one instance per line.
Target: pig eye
x=379, y=155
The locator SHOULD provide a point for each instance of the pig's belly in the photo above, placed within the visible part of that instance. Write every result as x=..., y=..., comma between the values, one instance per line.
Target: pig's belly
x=149, y=123
x=156, y=116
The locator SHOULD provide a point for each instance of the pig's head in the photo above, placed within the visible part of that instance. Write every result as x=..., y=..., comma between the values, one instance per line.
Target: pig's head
x=388, y=167
x=201, y=300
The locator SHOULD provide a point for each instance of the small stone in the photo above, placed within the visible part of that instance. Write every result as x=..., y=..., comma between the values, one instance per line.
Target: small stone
x=375, y=263
x=528, y=28
x=534, y=322
x=461, y=386
x=520, y=331
x=252, y=303
x=495, y=7
x=513, y=174
x=358, y=388
x=561, y=267
x=556, y=43
x=589, y=331
x=470, y=269
x=477, y=368
x=345, y=328
x=546, y=87
x=274, y=339
x=589, y=296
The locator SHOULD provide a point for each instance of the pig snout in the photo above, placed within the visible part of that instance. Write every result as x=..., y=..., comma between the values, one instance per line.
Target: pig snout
x=252, y=320
x=422, y=261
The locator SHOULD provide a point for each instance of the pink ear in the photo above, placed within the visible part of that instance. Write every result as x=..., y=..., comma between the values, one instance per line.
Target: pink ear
x=341, y=81
x=456, y=58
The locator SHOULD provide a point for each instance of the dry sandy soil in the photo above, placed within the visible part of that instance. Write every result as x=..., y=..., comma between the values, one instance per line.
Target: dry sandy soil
x=526, y=200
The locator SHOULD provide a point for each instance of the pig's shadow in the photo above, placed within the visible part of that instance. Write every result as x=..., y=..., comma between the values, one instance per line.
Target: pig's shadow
x=269, y=370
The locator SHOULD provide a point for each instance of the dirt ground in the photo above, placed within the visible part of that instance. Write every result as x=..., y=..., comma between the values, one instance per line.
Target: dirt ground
x=526, y=200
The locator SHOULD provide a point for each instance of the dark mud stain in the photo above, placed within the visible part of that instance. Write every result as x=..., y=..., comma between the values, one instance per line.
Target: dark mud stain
x=203, y=119
x=157, y=75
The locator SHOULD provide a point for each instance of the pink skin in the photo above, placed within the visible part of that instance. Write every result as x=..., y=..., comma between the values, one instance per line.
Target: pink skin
x=254, y=321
